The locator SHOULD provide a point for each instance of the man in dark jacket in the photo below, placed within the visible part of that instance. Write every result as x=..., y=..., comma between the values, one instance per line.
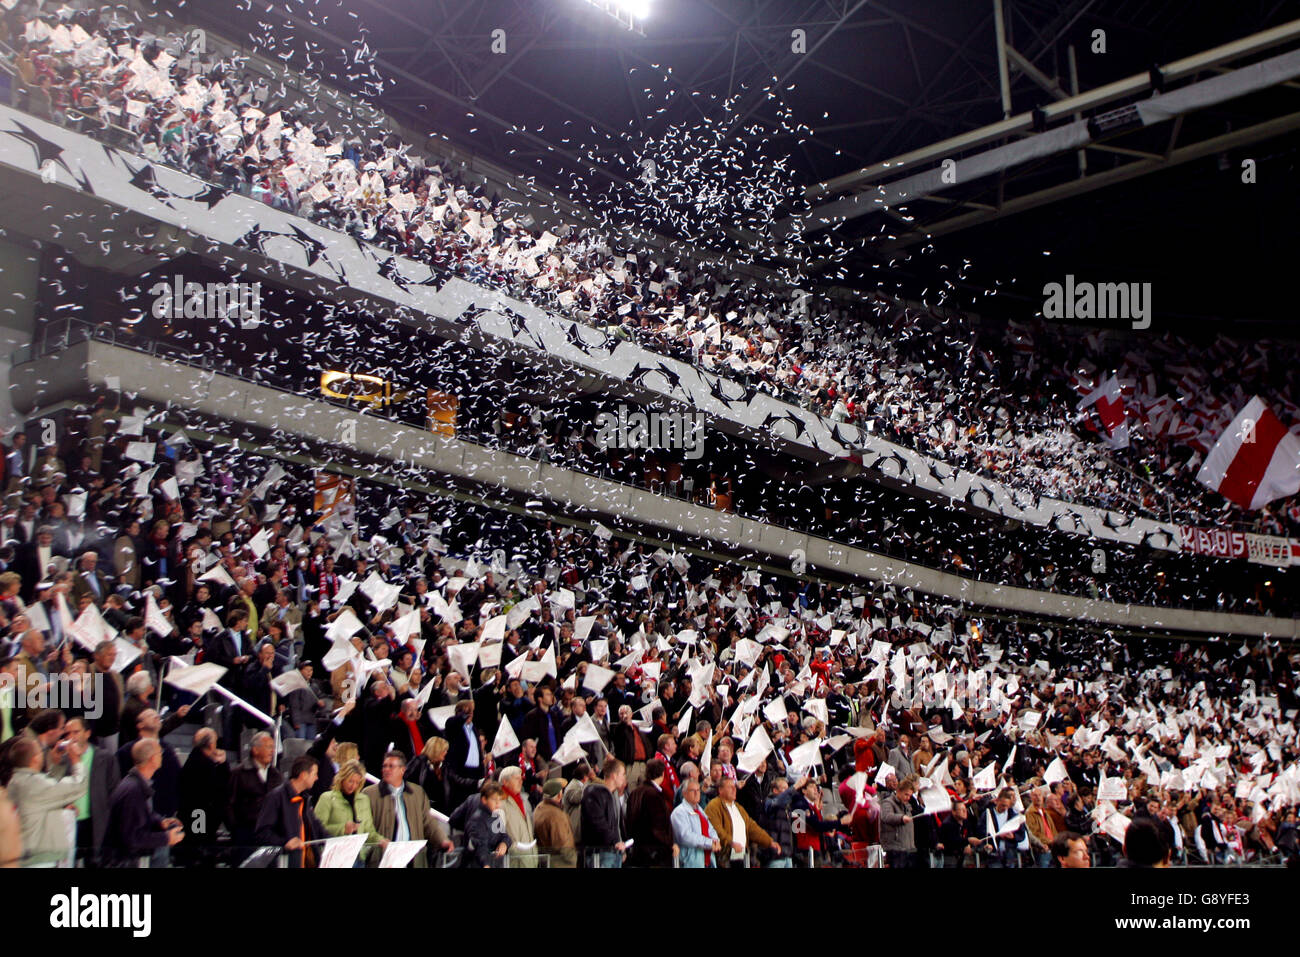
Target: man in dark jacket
x=232, y=649
x=135, y=830
x=93, y=808
x=648, y=824
x=165, y=783
x=250, y=783
x=258, y=674
x=543, y=724
x=464, y=755
x=204, y=787
x=632, y=746
x=287, y=819
x=108, y=724
x=602, y=825
x=377, y=727
x=775, y=816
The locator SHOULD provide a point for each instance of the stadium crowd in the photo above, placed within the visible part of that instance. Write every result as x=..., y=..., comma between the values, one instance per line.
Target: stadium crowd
x=960, y=390
x=557, y=695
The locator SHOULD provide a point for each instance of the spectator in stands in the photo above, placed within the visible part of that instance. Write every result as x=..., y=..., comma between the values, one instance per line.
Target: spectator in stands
x=465, y=760
x=250, y=783
x=649, y=808
x=1070, y=850
x=401, y=811
x=602, y=818
x=552, y=827
x=166, y=779
x=107, y=727
x=518, y=815
x=41, y=798
x=1143, y=846
x=896, y=830
x=1007, y=840
x=102, y=779
x=136, y=832
x=631, y=746
x=736, y=830
x=486, y=840
x=695, y=836
x=286, y=818
x=542, y=724
x=204, y=787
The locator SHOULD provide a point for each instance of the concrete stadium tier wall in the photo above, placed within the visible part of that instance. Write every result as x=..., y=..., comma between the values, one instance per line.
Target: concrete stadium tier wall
x=73, y=372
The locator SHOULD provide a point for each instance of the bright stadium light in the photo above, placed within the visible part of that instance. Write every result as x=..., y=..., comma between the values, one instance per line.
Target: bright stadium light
x=629, y=13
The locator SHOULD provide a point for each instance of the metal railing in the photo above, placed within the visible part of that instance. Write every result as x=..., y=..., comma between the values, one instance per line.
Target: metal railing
x=224, y=854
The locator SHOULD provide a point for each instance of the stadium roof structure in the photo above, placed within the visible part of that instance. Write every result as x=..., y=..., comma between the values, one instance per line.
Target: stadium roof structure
x=572, y=94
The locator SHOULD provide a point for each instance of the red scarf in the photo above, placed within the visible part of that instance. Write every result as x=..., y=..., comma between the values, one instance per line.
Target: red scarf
x=519, y=802
x=810, y=837
x=417, y=739
x=704, y=829
x=671, y=781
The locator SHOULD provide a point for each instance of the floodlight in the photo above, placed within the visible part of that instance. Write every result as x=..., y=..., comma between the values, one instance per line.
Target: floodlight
x=629, y=13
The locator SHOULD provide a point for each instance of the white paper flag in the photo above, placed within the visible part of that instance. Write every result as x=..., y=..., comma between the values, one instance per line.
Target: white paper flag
x=506, y=741
x=401, y=853
x=341, y=852
x=1112, y=789
x=197, y=679
x=597, y=678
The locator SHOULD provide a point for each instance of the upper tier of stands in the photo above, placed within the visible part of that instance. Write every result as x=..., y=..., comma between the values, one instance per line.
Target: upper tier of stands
x=996, y=401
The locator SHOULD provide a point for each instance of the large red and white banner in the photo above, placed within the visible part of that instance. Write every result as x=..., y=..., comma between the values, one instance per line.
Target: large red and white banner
x=1255, y=460
x=1268, y=550
x=1110, y=412
x=1224, y=543
x=1218, y=542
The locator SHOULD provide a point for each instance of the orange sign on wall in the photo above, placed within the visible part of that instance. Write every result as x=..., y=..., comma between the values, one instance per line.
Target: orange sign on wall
x=442, y=412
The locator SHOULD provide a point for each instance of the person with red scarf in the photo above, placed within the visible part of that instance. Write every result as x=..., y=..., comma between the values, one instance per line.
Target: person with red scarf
x=534, y=768
x=864, y=813
x=811, y=830
x=518, y=814
x=327, y=582
x=693, y=833
x=821, y=669
x=667, y=748
x=410, y=728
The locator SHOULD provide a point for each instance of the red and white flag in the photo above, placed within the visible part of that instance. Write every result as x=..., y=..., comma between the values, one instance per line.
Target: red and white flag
x=1255, y=460
x=1110, y=411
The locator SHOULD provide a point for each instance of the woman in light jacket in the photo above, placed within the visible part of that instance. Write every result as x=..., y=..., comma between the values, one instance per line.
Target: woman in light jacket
x=344, y=809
